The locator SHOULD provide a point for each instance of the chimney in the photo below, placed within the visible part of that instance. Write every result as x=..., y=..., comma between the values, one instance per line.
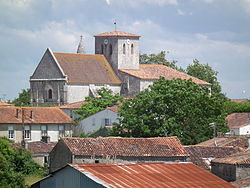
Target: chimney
x=31, y=114
x=17, y=113
x=45, y=139
x=80, y=49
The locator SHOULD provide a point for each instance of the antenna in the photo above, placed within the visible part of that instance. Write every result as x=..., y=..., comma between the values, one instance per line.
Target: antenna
x=115, y=24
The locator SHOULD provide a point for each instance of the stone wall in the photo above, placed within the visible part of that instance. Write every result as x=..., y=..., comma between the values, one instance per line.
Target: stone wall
x=224, y=171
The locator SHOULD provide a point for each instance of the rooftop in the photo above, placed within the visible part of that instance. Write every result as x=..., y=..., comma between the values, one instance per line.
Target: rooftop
x=236, y=159
x=237, y=120
x=118, y=146
x=116, y=34
x=4, y=104
x=75, y=105
x=31, y=115
x=149, y=175
x=155, y=71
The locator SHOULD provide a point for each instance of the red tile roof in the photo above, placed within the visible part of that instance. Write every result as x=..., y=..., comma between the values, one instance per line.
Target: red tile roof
x=242, y=183
x=151, y=175
x=114, y=109
x=5, y=104
x=155, y=71
x=226, y=141
x=118, y=146
x=75, y=105
x=39, y=115
x=237, y=120
x=86, y=69
x=116, y=34
x=40, y=147
x=239, y=100
x=241, y=158
x=201, y=155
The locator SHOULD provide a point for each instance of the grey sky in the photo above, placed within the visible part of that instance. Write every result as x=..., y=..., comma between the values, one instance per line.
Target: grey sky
x=213, y=31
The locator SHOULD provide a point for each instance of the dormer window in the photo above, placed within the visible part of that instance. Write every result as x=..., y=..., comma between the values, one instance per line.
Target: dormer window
x=124, y=49
x=132, y=48
x=50, y=93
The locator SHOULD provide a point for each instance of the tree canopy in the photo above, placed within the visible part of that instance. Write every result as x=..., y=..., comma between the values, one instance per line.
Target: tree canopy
x=23, y=98
x=15, y=163
x=95, y=104
x=172, y=108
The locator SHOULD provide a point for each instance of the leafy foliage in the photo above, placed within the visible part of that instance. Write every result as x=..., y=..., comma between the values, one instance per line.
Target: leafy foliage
x=23, y=98
x=172, y=107
x=15, y=163
x=231, y=107
x=159, y=58
x=106, y=99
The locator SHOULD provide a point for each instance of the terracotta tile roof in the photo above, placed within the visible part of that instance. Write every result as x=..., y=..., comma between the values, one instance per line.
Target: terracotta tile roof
x=114, y=109
x=202, y=155
x=116, y=34
x=243, y=183
x=241, y=158
x=5, y=104
x=226, y=141
x=75, y=105
x=239, y=100
x=155, y=71
x=237, y=120
x=86, y=69
x=151, y=175
x=118, y=146
x=40, y=147
x=39, y=115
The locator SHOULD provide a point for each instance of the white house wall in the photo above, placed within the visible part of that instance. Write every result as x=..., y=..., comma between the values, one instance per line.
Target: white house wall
x=76, y=93
x=144, y=84
x=35, y=133
x=245, y=130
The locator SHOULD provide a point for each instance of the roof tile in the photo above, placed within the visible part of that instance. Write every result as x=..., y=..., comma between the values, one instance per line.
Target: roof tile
x=237, y=120
x=116, y=34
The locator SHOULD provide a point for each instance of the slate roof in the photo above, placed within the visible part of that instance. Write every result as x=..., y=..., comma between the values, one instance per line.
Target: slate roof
x=118, y=146
x=155, y=71
x=226, y=141
x=242, y=158
x=39, y=115
x=237, y=120
x=151, y=175
x=202, y=155
x=116, y=34
x=86, y=68
x=75, y=105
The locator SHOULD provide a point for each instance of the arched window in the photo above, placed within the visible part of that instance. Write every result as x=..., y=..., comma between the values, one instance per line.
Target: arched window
x=50, y=93
x=124, y=49
x=102, y=48
x=132, y=48
x=110, y=49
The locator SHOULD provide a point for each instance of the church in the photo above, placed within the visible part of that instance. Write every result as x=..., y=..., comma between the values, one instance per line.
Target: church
x=63, y=78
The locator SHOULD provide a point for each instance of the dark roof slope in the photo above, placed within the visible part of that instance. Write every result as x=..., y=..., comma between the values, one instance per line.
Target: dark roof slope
x=237, y=120
x=33, y=115
x=117, y=146
x=241, y=158
x=155, y=71
x=86, y=69
x=201, y=155
x=151, y=175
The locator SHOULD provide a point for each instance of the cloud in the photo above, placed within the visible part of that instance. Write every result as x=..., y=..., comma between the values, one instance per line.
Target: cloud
x=180, y=12
x=209, y=1
x=135, y=3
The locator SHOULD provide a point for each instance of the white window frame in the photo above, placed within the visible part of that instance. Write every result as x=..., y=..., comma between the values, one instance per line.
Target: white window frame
x=61, y=130
x=27, y=132
x=11, y=132
x=44, y=130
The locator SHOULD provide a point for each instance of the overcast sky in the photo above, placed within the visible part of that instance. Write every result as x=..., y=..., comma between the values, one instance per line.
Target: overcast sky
x=216, y=32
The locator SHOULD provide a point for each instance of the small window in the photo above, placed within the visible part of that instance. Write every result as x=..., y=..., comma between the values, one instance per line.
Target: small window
x=110, y=49
x=102, y=49
x=124, y=49
x=46, y=159
x=97, y=161
x=50, y=93
x=93, y=122
x=132, y=48
x=44, y=131
x=106, y=122
x=61, y=131
x=27, y=132
x=10, y=132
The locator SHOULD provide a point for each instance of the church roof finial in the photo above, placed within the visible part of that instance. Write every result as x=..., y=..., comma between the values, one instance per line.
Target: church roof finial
x=80, y=49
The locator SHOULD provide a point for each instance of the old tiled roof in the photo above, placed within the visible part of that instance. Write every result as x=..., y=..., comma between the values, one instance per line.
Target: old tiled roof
x=86, y=69
x=40, y=147
x=151, y=175
x=242, y=183
x=201, y=155
x=5, y=104
x=117, y=146
x=155, y=71
x=75, y=105
x=241, y=158
x=33, y=115
x=116, y=34
x=114, y=109
x=226, y=141
x=237, y=120
x=239, y=100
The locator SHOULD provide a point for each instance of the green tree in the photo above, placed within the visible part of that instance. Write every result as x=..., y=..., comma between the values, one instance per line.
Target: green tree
x=171, y=108
x=159, y=58
x=23, y=98
x=15, y=163
x=95, y=104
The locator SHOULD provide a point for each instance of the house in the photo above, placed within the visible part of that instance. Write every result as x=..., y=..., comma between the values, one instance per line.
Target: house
x=242, y=142
x=70, y=108
x=150, y=175
x=239, y=123
x=202, y=155
x=232, y=168
x=63, y=78
x=115, y=150
x=4, y=104
x=239, y=100
x=31, y=123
